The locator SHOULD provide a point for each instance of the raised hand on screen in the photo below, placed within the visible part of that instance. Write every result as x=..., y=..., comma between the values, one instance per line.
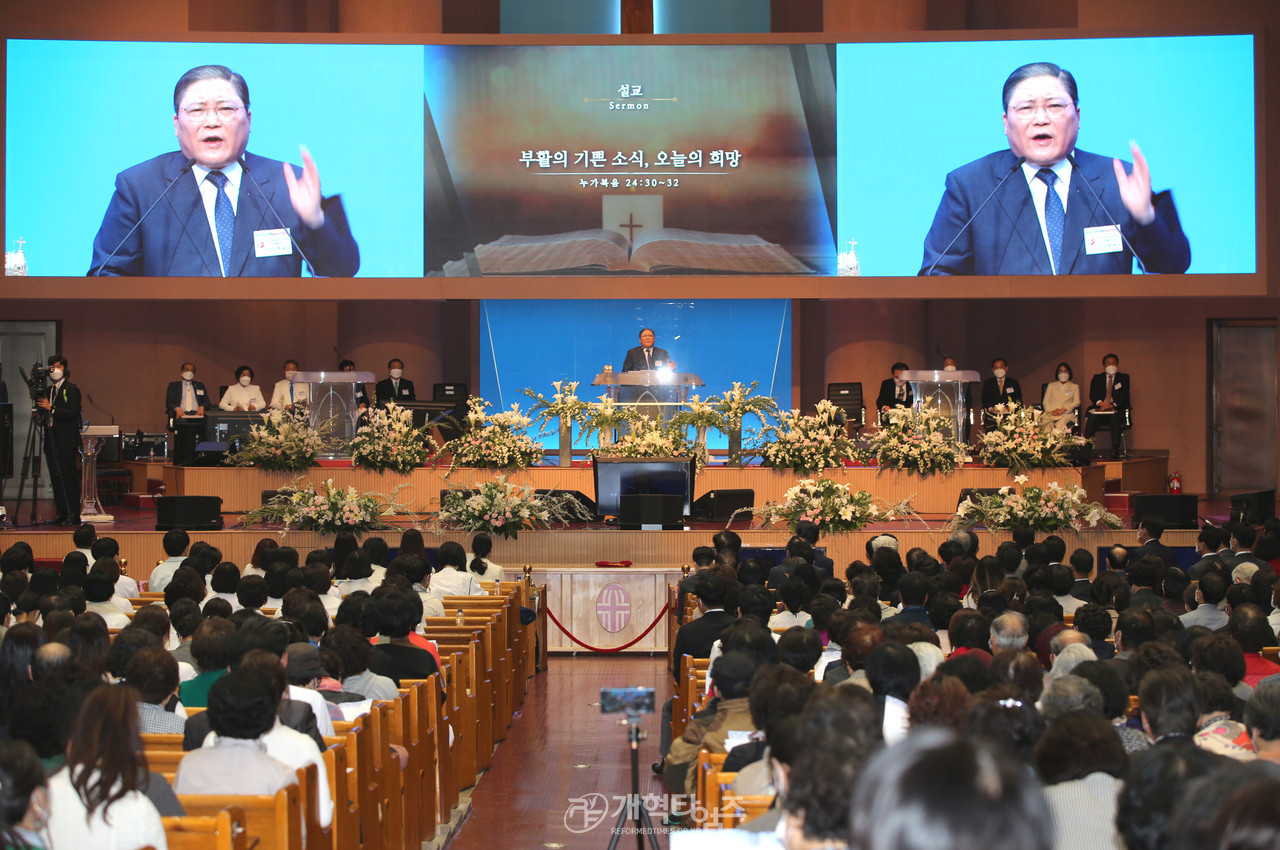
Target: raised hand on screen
x=304, y=191
x=1135, y=188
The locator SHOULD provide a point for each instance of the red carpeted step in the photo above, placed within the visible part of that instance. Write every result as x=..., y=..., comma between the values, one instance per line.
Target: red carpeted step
x=154, y=485
x=140, y=500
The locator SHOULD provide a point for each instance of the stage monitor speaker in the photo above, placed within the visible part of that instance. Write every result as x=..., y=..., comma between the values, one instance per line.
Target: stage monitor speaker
x=972, y=494
x=1255, y=507
x=721, y=505
x=1175, y=511
x=210, y=453
x=6, y=440
x=192, y=513
x=651, y=511
x=456, y=393
x=588, y=504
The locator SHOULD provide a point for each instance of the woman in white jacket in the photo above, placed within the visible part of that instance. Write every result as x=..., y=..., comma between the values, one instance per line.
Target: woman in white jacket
x=1062, y=399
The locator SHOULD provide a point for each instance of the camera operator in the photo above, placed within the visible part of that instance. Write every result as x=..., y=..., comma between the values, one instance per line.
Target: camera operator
x=61, y=404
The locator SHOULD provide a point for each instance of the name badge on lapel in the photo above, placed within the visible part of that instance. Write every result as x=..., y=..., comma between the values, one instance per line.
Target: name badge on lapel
x=1104, y=239
x=272, y=243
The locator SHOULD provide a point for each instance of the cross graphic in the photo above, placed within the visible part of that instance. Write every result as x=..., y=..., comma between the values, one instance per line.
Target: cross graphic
x=20, y=242
x=630, y=225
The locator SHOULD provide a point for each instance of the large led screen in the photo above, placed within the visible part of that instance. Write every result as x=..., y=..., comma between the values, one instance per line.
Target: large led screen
x=925, y=141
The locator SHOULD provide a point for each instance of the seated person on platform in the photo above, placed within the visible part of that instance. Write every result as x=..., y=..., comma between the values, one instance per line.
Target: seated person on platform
x=186, y=397
x=1062, y=399
x=646, y=357
x=1030, y=209
x=730, y=684
x=895, y=391
x=214, y=222
x=362, y=394
x=175, y=545
x=999, y=388
x=395, y=388
x=1108, y=402
x=287, y=393
x=452, y=578
x=397, y=616
x=242, y=708
x=244, y=394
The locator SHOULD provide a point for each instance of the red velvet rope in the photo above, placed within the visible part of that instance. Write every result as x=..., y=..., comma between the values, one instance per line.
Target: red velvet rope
x=631, y=643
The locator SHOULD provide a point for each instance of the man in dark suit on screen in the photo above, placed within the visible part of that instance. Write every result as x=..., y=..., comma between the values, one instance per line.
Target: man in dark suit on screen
x=227, y=213
x=1108, y=402
x=646, y=356
x=1052, y=206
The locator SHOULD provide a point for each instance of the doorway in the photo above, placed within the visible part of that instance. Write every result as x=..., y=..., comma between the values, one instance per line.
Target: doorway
x=1242, y=381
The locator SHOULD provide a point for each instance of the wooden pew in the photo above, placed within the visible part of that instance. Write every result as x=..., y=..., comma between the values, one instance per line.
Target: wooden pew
x=273, y=821
x=420, y=738
x=346, y=808
x=224, y=831
x=436, y=727
x=387, y=774
x=496, y=660
x=461, y=711
x=511, y=640
x=472, y=693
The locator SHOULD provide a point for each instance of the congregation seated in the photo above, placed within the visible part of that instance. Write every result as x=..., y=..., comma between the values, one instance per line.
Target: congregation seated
x=452, y=576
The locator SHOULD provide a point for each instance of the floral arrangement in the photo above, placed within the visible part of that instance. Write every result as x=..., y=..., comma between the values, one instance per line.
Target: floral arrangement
x=494, y=440
x=920, y=441
x=388, y=440
x=327, y=508
x=506, y=509
x=603, y=416
x=805, y=443
x=563, y=408
x=700, y=415
x=285, y=442
x=1020, y=438
x=834, y=508
x=1049, y=508
x=734, y=404
x=649, y=438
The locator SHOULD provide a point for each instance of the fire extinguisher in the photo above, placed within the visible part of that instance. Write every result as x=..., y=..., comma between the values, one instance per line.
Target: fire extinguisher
x=1175, y=483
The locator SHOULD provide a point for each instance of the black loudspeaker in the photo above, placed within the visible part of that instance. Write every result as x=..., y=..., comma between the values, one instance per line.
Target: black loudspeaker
x=193, y=513
x=1180, y=511
x=656, y=510
x=456, y=393
x=720, y=505
x=1254, y=508
x=210, y=454
x=972, y=494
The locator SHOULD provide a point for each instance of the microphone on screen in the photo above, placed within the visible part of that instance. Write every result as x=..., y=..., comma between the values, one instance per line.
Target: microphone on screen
x=1017, y=163
x=185, y=168
x=244, y=167
x=1085, y=179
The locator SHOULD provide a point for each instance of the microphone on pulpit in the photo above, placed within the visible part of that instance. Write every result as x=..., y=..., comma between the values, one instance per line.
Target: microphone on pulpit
x=100, y=407
x=1017, y=163
x=1084, y=177
x=278, y=219
x=185, y=168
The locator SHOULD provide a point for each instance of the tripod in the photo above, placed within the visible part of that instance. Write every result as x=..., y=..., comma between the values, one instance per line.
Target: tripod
x=31, y=467
x=634, y=810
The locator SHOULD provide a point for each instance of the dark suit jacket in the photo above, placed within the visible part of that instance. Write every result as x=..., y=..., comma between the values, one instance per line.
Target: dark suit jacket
x=66, y=411
x=1081, y=589
x=294, y=714
x=886, y=397
x=175, y=239
x=4, y=393
x=696, y=637
x=173, y=396
x=634, y=361
x=910, y=615
x=407, y=662
x=1154, y=547
x=991, y=392
x=1119, y=390
x=1005, y=238
x=382, y=392
x=824, y=566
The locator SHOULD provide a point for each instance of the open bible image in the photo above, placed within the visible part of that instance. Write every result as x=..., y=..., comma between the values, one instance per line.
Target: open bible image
x=643, y=160
x=1043, y=206
x=211, y=209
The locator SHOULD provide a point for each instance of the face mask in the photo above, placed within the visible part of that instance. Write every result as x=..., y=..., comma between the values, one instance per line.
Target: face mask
x=1063, y=377
x=56, y=374
x=188, y=376
x=999, y=373
x=948, y=368
x=245, y=380
x=1111, y=370
x=288, y=376
x=396, y=373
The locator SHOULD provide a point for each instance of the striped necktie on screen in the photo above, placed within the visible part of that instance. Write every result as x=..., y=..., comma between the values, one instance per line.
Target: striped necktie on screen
x=1053, y=215
x=224, y=218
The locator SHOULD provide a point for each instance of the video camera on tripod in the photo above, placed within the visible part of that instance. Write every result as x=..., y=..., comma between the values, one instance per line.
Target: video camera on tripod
x=37, y=381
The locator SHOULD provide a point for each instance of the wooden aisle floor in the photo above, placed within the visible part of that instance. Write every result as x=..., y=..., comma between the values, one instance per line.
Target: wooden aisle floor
x=521, y=801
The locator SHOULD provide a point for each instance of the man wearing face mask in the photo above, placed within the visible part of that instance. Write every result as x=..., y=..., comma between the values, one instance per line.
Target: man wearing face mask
x=999, y=389
x=244, y=394
x=1108, y=402
x=895, y=391
x=185, y=397
x=62, y=441
x=287, y=393
x=395, y=388
x=362, y=395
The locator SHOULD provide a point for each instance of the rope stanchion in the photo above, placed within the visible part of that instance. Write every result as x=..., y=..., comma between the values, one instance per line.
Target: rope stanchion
x=626, y=645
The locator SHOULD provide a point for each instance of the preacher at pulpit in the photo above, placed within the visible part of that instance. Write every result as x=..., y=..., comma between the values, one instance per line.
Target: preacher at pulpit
x=646, y=356
x=211, y=210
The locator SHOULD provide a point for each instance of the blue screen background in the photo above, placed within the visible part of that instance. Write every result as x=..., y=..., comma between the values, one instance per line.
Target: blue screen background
x=907, y=114
x=79, y=112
